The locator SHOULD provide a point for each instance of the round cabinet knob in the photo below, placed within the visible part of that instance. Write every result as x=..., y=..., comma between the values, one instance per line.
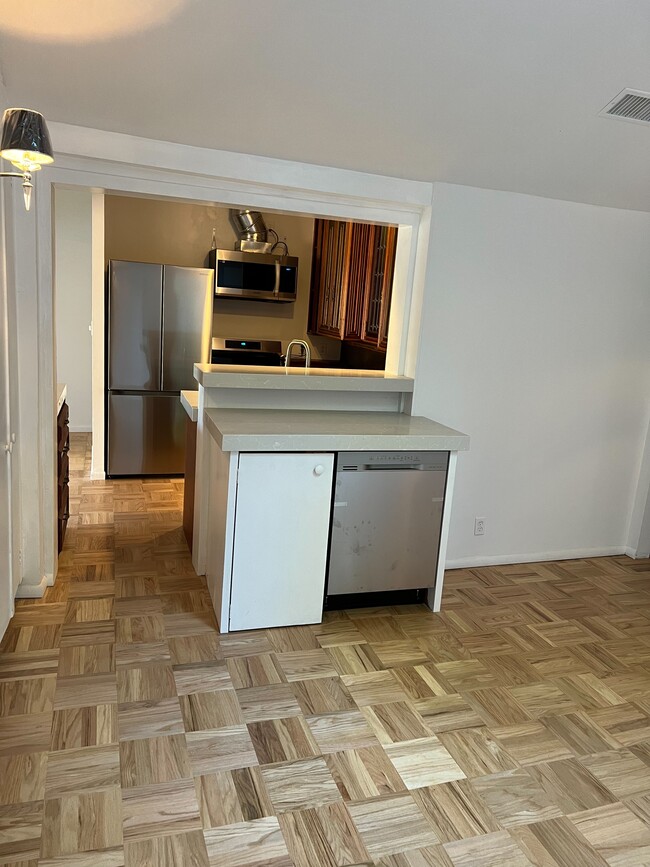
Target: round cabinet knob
x=319, y=469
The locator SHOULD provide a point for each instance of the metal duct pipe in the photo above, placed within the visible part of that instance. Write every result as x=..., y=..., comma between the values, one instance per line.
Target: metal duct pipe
x=250, y=225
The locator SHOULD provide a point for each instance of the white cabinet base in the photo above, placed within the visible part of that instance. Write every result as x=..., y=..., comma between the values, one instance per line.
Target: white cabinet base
x=282, y=519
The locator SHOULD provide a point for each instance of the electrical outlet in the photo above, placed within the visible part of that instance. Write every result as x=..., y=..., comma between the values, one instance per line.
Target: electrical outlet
x=479, y=526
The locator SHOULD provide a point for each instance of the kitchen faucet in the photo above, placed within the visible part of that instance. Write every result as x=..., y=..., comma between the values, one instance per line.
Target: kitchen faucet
x=307, y=352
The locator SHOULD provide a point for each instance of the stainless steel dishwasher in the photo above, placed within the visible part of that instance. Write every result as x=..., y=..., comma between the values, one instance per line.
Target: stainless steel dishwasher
x=386, y=522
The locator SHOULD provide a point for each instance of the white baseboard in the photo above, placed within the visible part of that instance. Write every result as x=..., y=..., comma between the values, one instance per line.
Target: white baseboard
x=507, y=559
x=80, y=428
x=33, y=591
x=636, y=553
x=97, y=476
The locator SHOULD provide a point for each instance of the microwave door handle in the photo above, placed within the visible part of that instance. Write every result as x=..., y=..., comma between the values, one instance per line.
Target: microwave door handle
x=276, y=288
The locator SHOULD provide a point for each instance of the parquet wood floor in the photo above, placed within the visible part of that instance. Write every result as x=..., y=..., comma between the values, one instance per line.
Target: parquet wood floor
x=511, y=729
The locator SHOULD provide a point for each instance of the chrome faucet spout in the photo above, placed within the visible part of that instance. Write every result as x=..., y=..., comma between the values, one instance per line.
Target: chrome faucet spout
x=306, y=352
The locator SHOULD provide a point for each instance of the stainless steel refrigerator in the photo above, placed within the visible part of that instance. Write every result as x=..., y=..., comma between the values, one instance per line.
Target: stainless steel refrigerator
x=159, y=323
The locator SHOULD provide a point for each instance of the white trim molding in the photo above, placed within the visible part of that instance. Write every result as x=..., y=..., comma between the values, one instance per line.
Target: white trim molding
x=547, y=556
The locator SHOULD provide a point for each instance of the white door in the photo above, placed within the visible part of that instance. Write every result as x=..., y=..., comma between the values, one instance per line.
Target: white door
x=281, y=531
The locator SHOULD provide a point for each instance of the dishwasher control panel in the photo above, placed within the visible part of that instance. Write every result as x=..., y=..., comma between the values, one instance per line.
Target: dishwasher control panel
x=360, y=461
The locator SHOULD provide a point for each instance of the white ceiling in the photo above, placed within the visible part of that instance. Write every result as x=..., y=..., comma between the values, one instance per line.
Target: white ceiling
x=503, y=94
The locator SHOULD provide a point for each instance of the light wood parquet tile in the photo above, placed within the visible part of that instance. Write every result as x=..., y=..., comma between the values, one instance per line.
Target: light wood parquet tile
x=491, y=850
x=354, y=658
x=82, y=690
x=87, y=659
x=561, y=841
x=343, y=730
x=395, y=722
x=248, y=844
x=23, y=778
x=364, y=774
x=531, y=743
x=148, y=761
x=20, y=832
x=325, y=836
x=193, y=677
x=221, y=749
x=626, y=723
x=259, y=670
x=570, y=785
x=31, y=696
x=81, y=823
x=581, y=733
x=187, y=849
x=276, y=701
x=113, y=857
x=138, y=655
x=447, y=713
x=132, y=734
x=378, y=687
x=89, y=769
x=148, y=719
x=623, y=773
x=231, y=797
x=391, y=825
x=282, y=740
x=300, y=785
x=157, y=810
x=210, y=710
x=477, y=751
x=615, y=833
x=516, y=798
x=455, y=810
x=423, y=762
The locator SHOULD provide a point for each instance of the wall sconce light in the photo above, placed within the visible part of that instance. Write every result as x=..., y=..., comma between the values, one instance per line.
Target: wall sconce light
x=26, y=144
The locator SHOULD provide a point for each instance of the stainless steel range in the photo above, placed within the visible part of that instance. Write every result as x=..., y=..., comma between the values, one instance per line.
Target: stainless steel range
x=243, y=351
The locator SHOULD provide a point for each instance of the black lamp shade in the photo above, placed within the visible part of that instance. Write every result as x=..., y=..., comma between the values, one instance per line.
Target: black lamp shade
x=25, y=139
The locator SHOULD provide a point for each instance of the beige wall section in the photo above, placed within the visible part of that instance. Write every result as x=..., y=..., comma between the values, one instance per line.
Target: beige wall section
x=180, y=233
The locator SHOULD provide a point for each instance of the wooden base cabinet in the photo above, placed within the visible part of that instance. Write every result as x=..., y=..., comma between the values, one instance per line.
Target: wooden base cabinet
x=269, y=518
x=63, y=472
x=190, y=481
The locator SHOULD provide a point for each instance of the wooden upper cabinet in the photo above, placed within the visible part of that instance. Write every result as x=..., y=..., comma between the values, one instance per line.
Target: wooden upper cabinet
x=330, y=266
x=352, y=277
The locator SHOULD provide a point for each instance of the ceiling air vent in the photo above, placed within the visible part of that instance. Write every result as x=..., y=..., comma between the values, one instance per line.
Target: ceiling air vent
x=629, y=105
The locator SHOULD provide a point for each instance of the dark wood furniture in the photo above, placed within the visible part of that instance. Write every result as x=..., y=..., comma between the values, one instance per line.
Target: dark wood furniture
x=190, y=480
x=352, y=279
x=63, y=468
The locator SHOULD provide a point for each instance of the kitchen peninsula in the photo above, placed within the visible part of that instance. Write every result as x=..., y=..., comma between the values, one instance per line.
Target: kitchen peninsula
x=268, y=444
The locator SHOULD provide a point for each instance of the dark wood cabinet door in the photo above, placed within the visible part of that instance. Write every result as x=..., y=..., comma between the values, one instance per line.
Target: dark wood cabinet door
x=352, y=277
x=380, y=281
x=361, y=251
x=329, y=277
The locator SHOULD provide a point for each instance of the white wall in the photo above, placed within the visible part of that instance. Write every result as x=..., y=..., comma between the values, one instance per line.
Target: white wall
x=535, y=342
x=73, y=299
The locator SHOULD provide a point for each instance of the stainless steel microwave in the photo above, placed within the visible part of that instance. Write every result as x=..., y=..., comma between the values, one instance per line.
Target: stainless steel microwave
x=255, y=276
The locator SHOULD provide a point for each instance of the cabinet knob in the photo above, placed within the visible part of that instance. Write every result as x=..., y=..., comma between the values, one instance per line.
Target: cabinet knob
x=319, y=469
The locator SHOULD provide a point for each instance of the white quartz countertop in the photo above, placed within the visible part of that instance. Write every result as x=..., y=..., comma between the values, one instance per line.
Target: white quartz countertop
x=299, y=378
x=190, y=401
x=61, y=394
x=268, y=430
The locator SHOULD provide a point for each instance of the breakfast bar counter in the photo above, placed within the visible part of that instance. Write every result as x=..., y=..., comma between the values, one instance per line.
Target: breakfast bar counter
x=264, y=430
